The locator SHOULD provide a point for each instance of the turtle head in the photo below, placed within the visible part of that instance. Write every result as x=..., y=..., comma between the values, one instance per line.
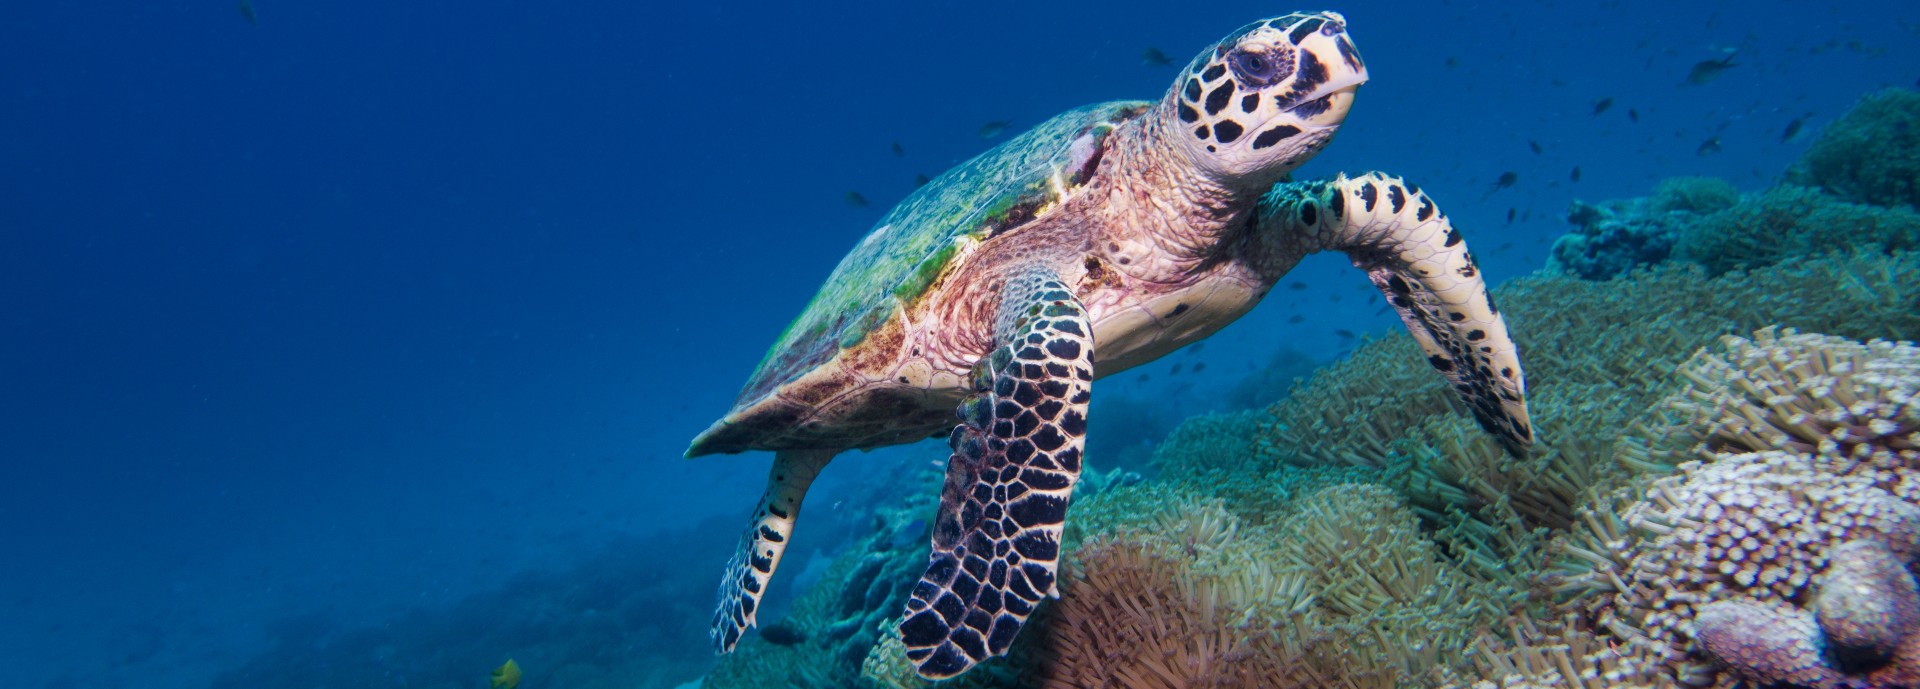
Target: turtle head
x=1267, y=97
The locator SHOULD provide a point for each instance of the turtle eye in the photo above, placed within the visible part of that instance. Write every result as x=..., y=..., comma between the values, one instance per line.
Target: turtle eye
x=1255, y=69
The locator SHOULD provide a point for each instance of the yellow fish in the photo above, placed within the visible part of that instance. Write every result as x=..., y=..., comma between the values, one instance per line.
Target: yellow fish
x=507, y=676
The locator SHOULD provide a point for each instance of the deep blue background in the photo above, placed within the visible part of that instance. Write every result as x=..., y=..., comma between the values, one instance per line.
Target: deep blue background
x=371, y=305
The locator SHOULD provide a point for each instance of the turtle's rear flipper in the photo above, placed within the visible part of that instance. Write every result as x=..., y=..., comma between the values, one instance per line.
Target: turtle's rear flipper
x=1418, y=260
x=765, y=540
x=1016, y=455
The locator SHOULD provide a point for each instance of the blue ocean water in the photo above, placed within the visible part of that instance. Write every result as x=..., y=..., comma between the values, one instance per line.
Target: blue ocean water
x=316, y=317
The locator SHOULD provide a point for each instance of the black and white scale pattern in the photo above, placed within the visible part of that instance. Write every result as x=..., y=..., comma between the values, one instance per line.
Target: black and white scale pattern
x=1016, y=456
x=1420, y=263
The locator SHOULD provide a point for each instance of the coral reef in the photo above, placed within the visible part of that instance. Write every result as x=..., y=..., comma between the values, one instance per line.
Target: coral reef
x=1704, y=221
x=1614, y=237
x=1778, y=549
x=1790, y=221
x=1871, y=155
x=1181, y=592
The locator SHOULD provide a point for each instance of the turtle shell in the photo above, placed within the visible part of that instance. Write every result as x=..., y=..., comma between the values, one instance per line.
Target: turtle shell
x=909, y=250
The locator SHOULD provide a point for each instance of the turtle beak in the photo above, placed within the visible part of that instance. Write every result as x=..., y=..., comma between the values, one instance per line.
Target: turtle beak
x=1329, y=58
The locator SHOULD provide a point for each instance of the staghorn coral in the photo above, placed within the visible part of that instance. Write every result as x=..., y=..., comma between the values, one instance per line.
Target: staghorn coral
x=1789, y=221
x=1871, y=154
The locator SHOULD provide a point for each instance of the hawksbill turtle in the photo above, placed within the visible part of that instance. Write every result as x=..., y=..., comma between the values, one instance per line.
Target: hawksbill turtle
x=1100, y=240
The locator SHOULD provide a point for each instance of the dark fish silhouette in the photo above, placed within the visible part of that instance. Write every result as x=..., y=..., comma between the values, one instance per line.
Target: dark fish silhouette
x=994, y=128
x=1633, y=115
x=1196, y=347
x=1708, y=147
x=1296, y=284
x=1174, y=371
x=1575, y=175
x=1152, y=57
x=1453, y=62
x=1535, y=145
x=1510, y=213
x=1601, y=105
x=1202, y=366
x=1296, y=318
x=1347, y=334
x=856, y=200
x=1794, y=127
x=1507, y=179
x=1705, y=71
x=899, y=151
x=246, y=12
x=921, y=180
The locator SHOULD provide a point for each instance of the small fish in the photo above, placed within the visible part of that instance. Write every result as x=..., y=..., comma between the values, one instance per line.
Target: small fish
x=899, y=151
x=1296, y=318
x=1633, y=115
x=1196, y=347
x=1708, y=147
x=1335, y=298
x=921, y=180
x=1510, y=213
x=1601, y=105
x=507, y=676
x=1152, y=57
x=1381, y=310
x=1452, y=62
x=1507, y=179
x=1143, y=378
x=1575, y=175
x=1535, y=145
x=1705, y=71
x=994, y=128
x=246, y=12
x=1174, y=371
x=1344, y=334
x=1503, y=247
x=1296, y=285
x=1202, y=366
x=856, y=200
x=1794, y=127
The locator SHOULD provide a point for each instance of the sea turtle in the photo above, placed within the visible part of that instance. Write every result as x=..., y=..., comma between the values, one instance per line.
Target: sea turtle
x=1100, y=240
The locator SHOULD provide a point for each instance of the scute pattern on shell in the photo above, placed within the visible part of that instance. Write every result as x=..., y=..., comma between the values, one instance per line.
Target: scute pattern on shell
x=929, y=229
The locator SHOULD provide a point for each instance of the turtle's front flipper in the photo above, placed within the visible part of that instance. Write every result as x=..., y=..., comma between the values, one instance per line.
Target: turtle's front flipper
x=765, y=540
x=1015, y=458
x=1418, y=260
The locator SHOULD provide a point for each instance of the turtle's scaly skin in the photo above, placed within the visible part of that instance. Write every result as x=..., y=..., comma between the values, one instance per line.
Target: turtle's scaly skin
x=1105, y=238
